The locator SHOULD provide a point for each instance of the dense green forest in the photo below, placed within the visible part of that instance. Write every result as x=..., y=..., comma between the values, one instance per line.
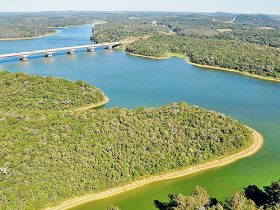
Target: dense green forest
x=259, y=20
x=211, y=28
x=241, y=56
x=261, y=36
x=21, y=91
x=48, y=155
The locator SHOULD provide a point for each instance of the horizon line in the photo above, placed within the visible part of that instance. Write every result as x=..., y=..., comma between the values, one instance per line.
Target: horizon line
x=143, y=11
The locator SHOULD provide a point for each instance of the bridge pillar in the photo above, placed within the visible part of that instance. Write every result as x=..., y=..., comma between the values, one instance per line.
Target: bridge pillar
x=90, y=49
x=48, y=54
x=109, y=47
x=71, y=52
x=24, y=58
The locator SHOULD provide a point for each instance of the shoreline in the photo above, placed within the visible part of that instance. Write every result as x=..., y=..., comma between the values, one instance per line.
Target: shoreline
x=254, y=147
x=149, y=57
x=92, y=106
x=234, y=71
x=30, y=38
x=73, y=26
x=206, y=66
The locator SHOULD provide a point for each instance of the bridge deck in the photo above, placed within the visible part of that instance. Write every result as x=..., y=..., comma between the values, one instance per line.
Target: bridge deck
x=27, y=53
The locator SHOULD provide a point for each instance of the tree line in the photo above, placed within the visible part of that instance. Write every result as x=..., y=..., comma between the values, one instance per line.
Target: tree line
x=252, y=198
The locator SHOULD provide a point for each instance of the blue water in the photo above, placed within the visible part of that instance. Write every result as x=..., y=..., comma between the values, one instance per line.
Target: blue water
x=132, y=81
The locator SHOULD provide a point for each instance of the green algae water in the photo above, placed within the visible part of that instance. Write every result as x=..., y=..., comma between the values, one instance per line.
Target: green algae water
x=132, y=82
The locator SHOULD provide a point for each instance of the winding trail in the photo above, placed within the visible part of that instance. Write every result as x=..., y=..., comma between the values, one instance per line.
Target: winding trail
x=252, y=149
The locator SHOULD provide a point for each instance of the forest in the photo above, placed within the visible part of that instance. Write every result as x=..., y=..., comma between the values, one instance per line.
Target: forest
x=262, y=36
x=100, y=148
x=207, y=28
x=119, y=30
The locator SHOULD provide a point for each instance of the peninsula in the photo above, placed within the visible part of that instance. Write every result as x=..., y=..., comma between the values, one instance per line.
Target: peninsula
x=44, y=138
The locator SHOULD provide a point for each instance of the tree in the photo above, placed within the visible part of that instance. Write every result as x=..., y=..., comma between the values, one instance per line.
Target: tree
x=273, y=193
x=198, y=199
x=238, y=201
x=111, y=207
x=256, y=194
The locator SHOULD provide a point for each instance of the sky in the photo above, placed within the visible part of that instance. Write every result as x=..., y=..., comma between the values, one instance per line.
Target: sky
x=234, y=6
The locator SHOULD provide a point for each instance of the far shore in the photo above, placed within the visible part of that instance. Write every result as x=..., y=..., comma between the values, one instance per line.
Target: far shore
x=244, y=152
x=79, y=25
x=28, y=38
x=52, y=33
x=92, y=106
x=74, y=26
x=206, y=66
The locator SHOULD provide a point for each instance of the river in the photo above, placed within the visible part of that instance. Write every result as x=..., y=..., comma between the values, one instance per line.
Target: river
x=133, y=81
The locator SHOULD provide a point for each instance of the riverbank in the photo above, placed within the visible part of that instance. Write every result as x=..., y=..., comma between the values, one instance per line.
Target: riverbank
x=93, y=106
x=245, y=152
x=206, y=66
x=28, y=38
x=235, y=71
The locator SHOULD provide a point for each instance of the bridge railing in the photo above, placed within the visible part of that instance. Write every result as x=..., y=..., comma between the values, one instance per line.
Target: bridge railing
x=49, y=52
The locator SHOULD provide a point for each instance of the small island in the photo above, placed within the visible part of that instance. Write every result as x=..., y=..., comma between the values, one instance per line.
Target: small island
x=51, y=153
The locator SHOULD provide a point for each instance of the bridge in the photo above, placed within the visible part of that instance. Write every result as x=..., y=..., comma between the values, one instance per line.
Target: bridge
x=23, y=56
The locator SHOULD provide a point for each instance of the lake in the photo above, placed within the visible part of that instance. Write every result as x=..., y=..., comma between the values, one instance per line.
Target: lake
x=133, y=81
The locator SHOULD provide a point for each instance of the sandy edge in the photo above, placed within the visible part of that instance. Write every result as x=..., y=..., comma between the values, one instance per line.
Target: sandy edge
x=208, y=67
x=92, y=106
x=252, y=149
